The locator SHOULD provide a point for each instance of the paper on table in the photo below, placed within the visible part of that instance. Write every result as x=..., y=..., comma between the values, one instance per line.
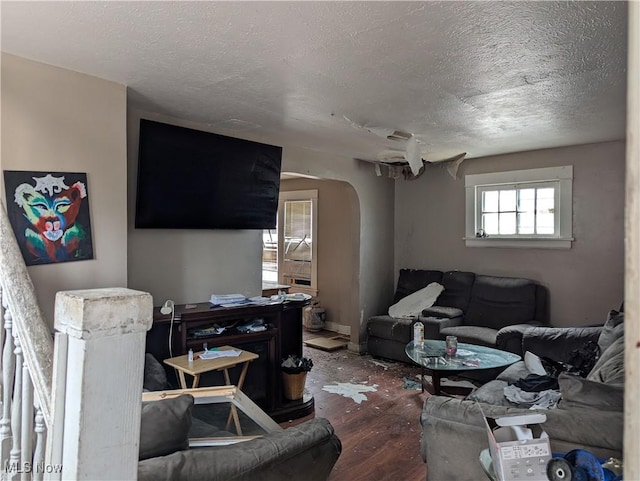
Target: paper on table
x=218, y=354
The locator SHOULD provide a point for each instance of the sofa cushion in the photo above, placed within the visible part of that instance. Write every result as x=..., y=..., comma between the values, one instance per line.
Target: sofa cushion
x=578, y=392
x=411, y=280
x=413, y=304
x=165, y=425
x=613, y=329
x=501, y=301
x=514, y=372
x=457, y=289
x=544, y=341
x=610, y=367
x=155, y=377
x=484, y=336
x=442, y=312
x=491, y=393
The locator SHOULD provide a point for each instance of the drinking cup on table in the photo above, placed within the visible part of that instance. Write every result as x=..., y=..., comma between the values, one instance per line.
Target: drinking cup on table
x=451, y=345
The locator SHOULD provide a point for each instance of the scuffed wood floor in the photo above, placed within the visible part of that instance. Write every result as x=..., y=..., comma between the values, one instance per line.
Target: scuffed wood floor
x=381, y=436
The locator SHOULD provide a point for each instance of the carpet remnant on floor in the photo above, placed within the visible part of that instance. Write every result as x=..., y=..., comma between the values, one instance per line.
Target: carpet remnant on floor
x=353, y=391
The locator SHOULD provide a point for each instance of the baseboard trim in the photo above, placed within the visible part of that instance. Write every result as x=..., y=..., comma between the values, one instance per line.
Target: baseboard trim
x=339, y=328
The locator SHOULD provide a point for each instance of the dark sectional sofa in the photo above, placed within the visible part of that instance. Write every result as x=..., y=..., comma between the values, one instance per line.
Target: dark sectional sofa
x=487, y=310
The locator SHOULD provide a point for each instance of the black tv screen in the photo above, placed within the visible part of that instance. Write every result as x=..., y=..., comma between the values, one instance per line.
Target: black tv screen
x=190, y=179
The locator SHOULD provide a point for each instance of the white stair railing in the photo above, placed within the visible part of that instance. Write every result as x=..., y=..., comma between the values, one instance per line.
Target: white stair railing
x=21, y=446
x=26, y=363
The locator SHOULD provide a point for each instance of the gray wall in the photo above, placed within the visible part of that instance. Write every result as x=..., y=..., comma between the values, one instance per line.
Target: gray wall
x=584, y=281
x=58, y=120
x=188, y=266
x=337, y=241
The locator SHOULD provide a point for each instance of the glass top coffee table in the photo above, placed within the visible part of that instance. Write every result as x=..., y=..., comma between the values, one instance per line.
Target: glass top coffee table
x=431, y=356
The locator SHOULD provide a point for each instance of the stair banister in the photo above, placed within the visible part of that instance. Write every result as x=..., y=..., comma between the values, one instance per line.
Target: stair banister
x=28, y=321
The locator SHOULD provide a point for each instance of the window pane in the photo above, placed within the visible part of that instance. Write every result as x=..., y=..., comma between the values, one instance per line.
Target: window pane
x=490, y=201
x=490, y=224
x=526, y=223
x=297, y=230
x=546, y=193
x=526, y=200
x=508, y=201
x=545, y=224
x=545, y=206
x=507, y=223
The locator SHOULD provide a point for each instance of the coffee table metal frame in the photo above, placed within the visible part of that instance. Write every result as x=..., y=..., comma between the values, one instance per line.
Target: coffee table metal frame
x=431, y=356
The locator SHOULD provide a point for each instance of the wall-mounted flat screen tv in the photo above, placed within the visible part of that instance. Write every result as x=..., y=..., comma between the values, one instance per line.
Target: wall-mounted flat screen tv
x=190, y=179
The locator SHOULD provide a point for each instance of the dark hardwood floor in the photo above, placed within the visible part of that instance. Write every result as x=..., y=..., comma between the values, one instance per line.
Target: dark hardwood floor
x=381, y=435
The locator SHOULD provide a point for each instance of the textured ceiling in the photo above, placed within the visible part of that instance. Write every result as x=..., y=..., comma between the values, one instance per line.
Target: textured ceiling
x=479, y=77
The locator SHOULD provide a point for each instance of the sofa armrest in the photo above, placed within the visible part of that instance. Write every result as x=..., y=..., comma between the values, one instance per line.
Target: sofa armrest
x=558, y=343
x=307, y=451
x=509, y=338
x=432, y=325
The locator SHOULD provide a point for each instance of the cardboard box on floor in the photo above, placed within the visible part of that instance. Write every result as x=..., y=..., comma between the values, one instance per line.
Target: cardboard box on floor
x=519, y=446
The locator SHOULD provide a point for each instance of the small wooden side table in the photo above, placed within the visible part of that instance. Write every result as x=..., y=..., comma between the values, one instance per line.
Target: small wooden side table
x=199, y=366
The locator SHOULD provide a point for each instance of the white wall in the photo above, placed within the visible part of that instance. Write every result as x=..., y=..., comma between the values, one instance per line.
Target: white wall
x=584, y=282
x=58, y=120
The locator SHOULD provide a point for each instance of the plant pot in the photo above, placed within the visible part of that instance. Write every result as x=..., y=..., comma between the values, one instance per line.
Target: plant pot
x=293, y=385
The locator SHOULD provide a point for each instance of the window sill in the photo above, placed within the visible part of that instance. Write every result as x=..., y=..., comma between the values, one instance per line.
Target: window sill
x=521, y=243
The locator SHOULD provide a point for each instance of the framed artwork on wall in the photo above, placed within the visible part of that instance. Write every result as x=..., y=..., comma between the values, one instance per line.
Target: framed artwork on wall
x=49, y=214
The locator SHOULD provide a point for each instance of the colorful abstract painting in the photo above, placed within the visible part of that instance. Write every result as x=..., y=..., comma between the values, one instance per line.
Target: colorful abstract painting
x=49, y=213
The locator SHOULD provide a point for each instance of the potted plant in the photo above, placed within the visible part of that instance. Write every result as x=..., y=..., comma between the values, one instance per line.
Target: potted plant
x=294, y=375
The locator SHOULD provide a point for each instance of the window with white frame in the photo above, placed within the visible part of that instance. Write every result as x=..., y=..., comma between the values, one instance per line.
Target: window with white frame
x=523, y=208
x=289, y=253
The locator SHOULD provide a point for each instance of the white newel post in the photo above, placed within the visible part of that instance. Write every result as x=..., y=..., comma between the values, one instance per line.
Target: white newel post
x=105, y=330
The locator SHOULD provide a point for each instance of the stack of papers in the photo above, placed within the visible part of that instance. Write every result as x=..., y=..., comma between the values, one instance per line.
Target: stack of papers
x=227, y=299
x=218, y=354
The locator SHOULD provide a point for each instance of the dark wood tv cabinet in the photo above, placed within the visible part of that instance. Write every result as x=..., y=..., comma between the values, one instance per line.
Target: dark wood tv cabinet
x=263, y=383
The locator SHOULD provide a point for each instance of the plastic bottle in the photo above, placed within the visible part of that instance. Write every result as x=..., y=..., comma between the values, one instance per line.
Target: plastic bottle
x=190, y=355
x=418, y=333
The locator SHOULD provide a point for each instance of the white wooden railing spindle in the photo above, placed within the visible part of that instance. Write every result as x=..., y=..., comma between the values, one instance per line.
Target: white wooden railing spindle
x=26, y=437
x=8, y=372
x=2, y=338
x=16, y=413
x=38, y=451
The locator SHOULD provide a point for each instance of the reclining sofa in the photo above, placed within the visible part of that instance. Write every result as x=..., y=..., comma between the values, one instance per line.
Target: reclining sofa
x=589, y=415
x=478, y=309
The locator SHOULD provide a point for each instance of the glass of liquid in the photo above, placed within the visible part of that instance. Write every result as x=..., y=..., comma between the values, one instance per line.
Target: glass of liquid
x=451, y=345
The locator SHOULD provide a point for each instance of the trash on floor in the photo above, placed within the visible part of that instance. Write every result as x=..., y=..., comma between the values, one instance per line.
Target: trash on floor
x=353, y=391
